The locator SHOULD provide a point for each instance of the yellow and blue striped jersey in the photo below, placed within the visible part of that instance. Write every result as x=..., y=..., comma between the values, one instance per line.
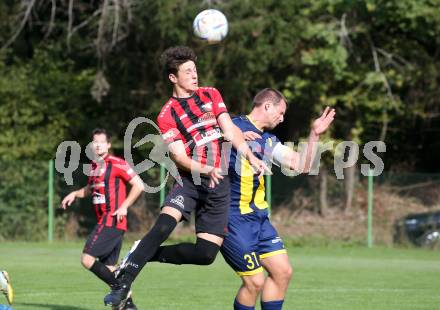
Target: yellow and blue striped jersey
x=248, y=189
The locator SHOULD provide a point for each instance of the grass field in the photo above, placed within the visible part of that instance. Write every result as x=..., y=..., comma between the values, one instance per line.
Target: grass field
x=51, y=277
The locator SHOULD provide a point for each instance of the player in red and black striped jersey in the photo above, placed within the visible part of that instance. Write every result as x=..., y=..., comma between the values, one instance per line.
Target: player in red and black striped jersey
x=107, y=182
x=193, y=122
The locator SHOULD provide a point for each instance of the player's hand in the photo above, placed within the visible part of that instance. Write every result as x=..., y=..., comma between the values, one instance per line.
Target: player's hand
x=214, y=177
x=251, y=135
x=120, y=213
x=259, y=166
x=323, y=122
x=68, y=200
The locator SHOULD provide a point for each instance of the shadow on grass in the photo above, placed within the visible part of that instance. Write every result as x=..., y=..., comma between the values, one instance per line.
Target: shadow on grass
x=48, y=306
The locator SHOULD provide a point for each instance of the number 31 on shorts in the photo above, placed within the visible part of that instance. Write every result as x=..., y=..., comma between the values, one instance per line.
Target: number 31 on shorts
x=251, y=260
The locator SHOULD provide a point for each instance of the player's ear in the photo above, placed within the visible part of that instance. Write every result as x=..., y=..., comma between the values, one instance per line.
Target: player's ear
x=172, y=78
x=266, y=106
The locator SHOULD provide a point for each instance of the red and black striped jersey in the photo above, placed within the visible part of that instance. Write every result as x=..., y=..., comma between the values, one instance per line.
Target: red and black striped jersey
x=107, y=182
x=194, y=121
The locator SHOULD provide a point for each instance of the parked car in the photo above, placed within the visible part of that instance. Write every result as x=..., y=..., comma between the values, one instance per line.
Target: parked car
x=422, y=229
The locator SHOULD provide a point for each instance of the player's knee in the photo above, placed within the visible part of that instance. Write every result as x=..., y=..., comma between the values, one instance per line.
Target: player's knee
x=208, y=254
x=206, y=251
x=258, y=285
x=288, y=272
x=284, y=274
x=87, y=261
x=254, y=283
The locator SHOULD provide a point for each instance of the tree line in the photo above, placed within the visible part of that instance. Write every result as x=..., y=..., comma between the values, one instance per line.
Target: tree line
x=67, y=66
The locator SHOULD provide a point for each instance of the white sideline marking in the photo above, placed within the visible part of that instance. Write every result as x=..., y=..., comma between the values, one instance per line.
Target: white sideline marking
x=79, y=293
x=345, y=290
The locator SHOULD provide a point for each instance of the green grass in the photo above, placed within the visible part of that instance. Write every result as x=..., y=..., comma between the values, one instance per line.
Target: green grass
x=51, y=277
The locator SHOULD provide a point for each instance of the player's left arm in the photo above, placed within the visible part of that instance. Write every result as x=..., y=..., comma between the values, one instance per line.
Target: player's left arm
x=302, y=162
x=137, y=186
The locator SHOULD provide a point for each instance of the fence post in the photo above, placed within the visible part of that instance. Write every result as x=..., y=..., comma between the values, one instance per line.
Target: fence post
x=50, y=202
x=162, y=189
x=269, y=192
x=370, y=209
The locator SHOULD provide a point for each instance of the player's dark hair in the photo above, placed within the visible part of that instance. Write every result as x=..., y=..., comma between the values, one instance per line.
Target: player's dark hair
x=173, y=57
x=99, y=131
x=268, y=95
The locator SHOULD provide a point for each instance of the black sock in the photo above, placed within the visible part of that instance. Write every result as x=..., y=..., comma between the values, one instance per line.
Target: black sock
x=102, y=272
x=148, y=246
x=203, y=252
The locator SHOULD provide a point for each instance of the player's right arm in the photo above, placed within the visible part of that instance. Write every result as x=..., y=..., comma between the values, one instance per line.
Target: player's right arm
x=70, y=198
x=179, y=156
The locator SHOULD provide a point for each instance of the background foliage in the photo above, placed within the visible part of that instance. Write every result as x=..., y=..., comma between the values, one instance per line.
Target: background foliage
x=69, y=66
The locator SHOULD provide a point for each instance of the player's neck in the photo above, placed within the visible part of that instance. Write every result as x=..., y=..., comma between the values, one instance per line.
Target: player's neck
x=102, y=156
x=182, y=93
x=256, y=121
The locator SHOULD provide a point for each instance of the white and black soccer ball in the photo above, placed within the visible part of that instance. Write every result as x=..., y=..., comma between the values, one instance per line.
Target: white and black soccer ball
x=210, y=25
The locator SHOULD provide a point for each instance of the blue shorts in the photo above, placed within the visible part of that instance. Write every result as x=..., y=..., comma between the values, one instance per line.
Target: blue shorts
x=251, y=237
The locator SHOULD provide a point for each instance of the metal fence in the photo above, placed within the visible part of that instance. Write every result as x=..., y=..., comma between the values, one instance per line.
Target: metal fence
x=31, y=192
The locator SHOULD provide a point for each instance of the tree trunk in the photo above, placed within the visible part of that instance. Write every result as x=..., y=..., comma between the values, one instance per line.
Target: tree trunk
x=349, y=178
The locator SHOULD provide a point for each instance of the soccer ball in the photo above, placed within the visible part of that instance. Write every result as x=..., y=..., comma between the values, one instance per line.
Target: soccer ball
x=210, y=25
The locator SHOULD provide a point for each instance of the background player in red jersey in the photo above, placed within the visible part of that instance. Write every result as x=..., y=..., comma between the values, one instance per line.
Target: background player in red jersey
x=107, y=185
x=193, y=122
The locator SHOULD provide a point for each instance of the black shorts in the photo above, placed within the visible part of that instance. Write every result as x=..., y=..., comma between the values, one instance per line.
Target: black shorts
x=105, y=244
x=210, y=204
